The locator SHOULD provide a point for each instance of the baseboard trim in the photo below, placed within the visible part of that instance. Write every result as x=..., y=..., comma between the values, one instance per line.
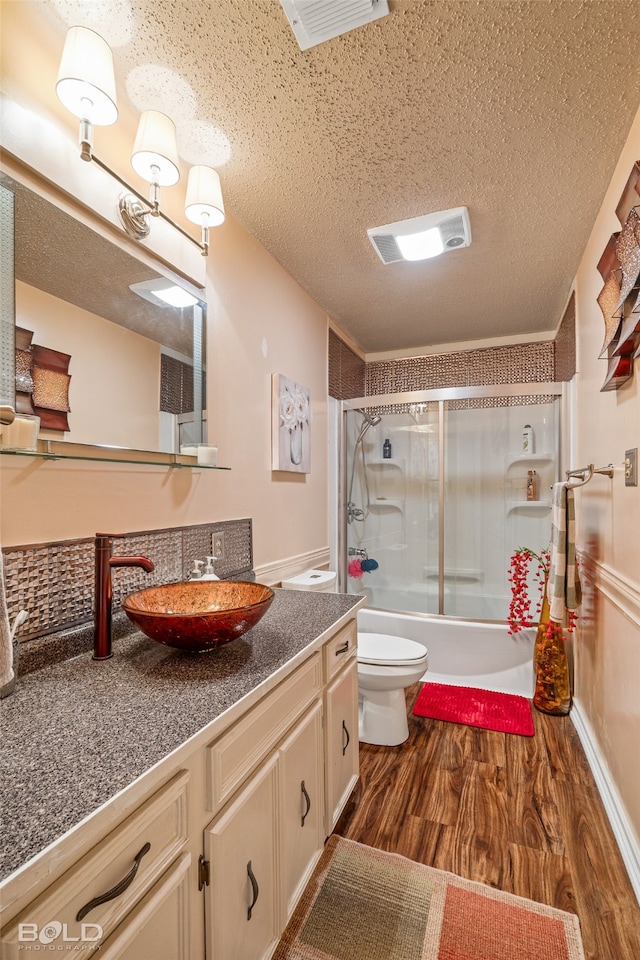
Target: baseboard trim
x=278, y=570
x=622, y=829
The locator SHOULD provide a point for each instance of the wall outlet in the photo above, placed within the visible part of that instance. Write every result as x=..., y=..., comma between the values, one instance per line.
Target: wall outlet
x=631, y=467
x=218, y=546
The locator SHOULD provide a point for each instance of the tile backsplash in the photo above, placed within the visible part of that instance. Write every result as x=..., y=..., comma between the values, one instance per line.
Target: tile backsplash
x=54, y=582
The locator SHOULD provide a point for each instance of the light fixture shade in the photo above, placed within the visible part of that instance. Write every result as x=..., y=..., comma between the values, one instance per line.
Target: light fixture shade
x=86, y=83
x=155, y=146
x=204, y=204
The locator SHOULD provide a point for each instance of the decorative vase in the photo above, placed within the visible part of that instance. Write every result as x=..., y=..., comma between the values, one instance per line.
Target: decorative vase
x=295, y=441
x=553, y=691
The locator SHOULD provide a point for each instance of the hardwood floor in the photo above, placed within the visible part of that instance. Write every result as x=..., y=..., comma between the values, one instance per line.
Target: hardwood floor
x=519, y=813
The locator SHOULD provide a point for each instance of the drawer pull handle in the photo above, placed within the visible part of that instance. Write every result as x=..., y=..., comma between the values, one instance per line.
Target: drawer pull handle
x=118, y=889
x=344, y=730
x=343, y=648
x=308, y=802
x=254, y=889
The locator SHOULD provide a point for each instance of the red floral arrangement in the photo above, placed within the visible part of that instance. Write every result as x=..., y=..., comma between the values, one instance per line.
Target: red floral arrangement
x=520, y=615
x=520, y=568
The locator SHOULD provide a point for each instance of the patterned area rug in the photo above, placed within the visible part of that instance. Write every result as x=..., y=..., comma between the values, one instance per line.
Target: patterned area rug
x=364, y=904
x=504, y=712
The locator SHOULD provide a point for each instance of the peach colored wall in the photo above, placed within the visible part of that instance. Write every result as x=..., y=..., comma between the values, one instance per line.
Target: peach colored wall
x=607, y=650
x=260, y=322
x=115, y=373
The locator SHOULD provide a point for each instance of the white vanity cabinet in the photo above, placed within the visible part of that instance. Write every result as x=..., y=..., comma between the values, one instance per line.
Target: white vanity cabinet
x=241, y=849
x=341, y=722
x=115, y=894
x=205, y=856
x=261, y=848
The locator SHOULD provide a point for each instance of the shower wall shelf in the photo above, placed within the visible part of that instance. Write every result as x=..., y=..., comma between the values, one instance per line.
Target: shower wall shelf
x=532, y=457
x=539, y=506
x=387, y=502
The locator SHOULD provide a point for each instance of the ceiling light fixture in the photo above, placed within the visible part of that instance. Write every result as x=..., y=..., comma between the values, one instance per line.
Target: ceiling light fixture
x=86, y=87
x=162, y=292
x=422, y=237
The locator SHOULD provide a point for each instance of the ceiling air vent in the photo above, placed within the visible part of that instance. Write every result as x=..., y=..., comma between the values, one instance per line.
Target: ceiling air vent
x=314, y=21
x=453, y=225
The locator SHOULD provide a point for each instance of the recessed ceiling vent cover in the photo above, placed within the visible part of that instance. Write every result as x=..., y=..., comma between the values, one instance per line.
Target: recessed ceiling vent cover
x=314, y=21
x=454, y=227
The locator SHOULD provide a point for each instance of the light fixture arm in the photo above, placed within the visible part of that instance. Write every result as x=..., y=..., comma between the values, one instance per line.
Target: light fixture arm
x=132, y=215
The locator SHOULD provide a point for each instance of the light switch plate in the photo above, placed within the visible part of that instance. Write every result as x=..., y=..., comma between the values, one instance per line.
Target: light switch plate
x=631, y=467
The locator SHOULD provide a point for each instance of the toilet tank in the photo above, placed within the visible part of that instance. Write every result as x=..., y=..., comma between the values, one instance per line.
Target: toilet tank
x=321, y=581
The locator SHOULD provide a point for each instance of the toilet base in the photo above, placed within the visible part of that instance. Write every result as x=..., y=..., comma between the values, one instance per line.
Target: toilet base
x=383, y=717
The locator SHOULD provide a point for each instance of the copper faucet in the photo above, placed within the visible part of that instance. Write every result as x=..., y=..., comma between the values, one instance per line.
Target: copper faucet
x=104, y=589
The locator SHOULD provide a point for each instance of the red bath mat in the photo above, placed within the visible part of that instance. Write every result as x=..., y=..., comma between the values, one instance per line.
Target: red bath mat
x=504, y=712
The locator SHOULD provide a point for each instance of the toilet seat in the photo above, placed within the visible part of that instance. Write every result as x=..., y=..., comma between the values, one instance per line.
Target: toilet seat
x=383, y=649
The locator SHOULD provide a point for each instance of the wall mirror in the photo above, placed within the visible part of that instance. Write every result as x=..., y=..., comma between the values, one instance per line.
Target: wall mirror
x=102, y=358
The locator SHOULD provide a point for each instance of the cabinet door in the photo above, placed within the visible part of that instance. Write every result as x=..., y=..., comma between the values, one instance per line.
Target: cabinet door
x=242, y=895
x=158, y=927
x=341, y=742
x=301, y=772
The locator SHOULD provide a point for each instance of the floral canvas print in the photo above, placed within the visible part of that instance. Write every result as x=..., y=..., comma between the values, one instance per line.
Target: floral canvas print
x=291, y=433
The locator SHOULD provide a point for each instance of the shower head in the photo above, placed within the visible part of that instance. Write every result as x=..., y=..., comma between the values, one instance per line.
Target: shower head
x=371, y=418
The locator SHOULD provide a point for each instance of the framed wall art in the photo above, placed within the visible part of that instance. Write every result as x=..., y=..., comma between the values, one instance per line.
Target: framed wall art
x=291, y=425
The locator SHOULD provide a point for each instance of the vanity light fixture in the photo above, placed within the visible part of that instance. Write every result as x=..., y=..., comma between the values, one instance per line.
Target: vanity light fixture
x=86, y=87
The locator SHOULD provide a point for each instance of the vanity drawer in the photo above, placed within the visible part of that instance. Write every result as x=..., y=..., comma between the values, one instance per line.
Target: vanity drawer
x=237, y=753
x=340, y=649
x=160, y=823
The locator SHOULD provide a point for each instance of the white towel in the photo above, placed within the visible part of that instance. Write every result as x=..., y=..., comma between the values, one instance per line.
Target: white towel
x=563, y=587
x=6, y=644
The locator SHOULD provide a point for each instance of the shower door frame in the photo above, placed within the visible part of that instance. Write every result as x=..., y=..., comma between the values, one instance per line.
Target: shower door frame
x=441, y=396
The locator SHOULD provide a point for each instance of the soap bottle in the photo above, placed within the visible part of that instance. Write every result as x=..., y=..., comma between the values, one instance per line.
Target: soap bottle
x=386, y=449
x=208, y=573
x=527, y=438
x=532, y=485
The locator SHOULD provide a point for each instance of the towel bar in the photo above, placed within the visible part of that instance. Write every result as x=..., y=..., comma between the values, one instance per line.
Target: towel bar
x=584, y=474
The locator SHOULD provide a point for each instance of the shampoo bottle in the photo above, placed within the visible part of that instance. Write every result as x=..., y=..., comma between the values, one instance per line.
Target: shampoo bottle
x=527, y=439
x=386, y=449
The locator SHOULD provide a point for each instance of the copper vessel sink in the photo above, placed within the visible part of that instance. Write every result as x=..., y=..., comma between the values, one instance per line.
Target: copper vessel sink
x=197, y=615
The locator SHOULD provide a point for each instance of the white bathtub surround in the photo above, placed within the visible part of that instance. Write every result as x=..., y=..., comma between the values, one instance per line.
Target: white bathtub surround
x=461, y=652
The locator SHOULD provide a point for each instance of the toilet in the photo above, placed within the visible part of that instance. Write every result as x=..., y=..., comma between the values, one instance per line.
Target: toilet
x=386, y=665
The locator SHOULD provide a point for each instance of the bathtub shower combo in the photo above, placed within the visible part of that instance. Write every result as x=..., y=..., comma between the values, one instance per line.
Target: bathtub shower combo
x=439, y=488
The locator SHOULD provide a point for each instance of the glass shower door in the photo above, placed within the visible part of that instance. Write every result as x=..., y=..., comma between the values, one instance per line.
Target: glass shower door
x=392, y=506
x=486, y=511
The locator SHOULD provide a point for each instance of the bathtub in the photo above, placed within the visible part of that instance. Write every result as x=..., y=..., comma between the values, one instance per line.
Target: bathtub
x=463, y=652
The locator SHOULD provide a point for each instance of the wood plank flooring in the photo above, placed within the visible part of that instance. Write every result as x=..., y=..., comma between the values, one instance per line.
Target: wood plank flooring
x=519, y=813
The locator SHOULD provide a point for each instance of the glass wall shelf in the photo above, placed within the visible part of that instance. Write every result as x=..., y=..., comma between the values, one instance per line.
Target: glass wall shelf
x=57, y=450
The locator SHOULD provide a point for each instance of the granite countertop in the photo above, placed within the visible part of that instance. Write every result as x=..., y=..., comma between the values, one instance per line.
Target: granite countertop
x=77, y=732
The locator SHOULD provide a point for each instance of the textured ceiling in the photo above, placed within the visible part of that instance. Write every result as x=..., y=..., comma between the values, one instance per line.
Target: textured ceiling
x=518, y=110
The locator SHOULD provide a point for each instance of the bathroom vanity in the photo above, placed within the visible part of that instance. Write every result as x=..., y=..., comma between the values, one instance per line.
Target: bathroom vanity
x=197, y=791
